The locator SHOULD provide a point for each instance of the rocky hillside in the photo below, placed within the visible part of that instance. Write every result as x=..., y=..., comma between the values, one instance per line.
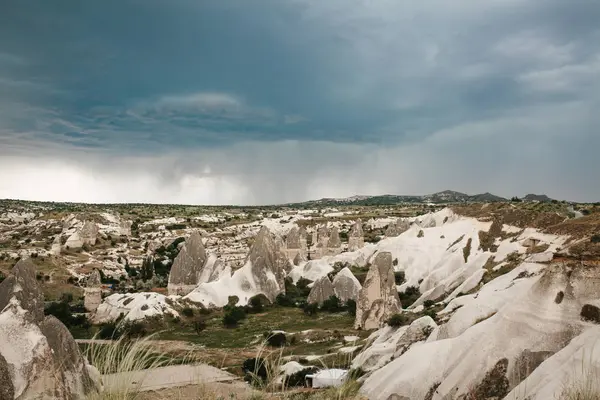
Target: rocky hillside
x=503, y=298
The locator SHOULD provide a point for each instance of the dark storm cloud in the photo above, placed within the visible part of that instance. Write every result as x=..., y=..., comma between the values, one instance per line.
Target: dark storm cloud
x=281, y=101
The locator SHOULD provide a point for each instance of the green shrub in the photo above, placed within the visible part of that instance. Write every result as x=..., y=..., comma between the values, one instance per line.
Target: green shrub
x=233, y=316
x=255, y=371
x=257, y=303
x=332, y=305
x=188, y=312
x=428, y=303
x=399, y=277
x=410, y=295
x=109, y=331
x=311, y=309
x=397, y=320
x=285, y=300
x=298, y=379
x=199, y=325
x=595, y=239
x=351, y=307
x=277, y=339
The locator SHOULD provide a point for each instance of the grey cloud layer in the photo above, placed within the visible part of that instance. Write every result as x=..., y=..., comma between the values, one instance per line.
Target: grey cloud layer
x=284, y=101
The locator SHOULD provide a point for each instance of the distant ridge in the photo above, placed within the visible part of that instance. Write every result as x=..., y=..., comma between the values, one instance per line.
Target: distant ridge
x=542, y=198
x=446, y=196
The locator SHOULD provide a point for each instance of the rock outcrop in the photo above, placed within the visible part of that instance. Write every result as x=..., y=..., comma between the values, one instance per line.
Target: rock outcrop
x=356, y=237
x=397, y=228
x=295, y=242
x=86, y=235
x=322, y=290
x=346, y=286
x=268, y=264
x=187, y=266
x=92, y=293
x=389, y=343
x=378, y=299
x=334, y=244
x=299, y=259
x=39, y=358
x=320, y=244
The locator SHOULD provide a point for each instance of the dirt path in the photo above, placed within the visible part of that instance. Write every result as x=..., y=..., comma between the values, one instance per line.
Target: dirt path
x=166, y=377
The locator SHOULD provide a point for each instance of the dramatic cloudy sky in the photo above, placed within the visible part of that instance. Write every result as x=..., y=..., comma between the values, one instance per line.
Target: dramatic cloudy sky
x=268, y=101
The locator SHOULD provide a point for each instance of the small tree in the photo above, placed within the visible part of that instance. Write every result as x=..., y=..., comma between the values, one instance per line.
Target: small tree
x=256, y=303
x=351, y=307
x=332, y=304
x=311, y=309
x=397, y=320
x=233, y=316
x=276, y=339
x=399, y=277
x=199, y=325
x=188, y=312
x=428, y=303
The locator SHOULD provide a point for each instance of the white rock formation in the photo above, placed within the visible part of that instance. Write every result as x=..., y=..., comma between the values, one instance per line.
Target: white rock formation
x=322, y=290
x=39, y=358
x=295, y=242
x=378, y=299
x=389, y=343
x=397, y=228
x=87, y=234
x=497, y=338
x=263, y=272
x=356, y=237
x=192, y=266
x=92, y=293
x=346, y=286
x=135, y=306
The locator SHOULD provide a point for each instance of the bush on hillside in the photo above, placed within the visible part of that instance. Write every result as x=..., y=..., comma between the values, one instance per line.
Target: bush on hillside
x=298, y=379
x=257, y=303
x=199, y=325
x=409, y=296
x=397, y=320
x=332, y=305
x=275, y=339
x=428, y=303
x=187, y=312
x=595, y=239
x=310, y=309
x=255, y=371
x=233, y=316
x=109, y=331
x=399, y=277
x=284, y=300
x=351, y=307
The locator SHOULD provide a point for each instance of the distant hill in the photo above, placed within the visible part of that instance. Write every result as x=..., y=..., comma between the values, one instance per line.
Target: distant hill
x=542, y=198
x=446, y=196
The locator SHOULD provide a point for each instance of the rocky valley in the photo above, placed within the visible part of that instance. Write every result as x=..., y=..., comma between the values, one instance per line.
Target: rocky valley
x=437, y=297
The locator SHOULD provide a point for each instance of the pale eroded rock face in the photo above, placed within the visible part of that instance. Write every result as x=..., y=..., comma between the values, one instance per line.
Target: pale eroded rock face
x=92, y=293
x=187, y=266
x=322, y=290
x=397, y=228
x=356, y=237
x=39, y=358
x=334, y=244
x=346, y=286
x=295, y=242
x=378, y=299
x=87, y=234
x=299, y=259
x=268, y=264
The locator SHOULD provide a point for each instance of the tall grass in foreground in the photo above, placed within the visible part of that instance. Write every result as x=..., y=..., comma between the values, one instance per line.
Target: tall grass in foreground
x=120, y=359
x=585, y=387
x=275, y=384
